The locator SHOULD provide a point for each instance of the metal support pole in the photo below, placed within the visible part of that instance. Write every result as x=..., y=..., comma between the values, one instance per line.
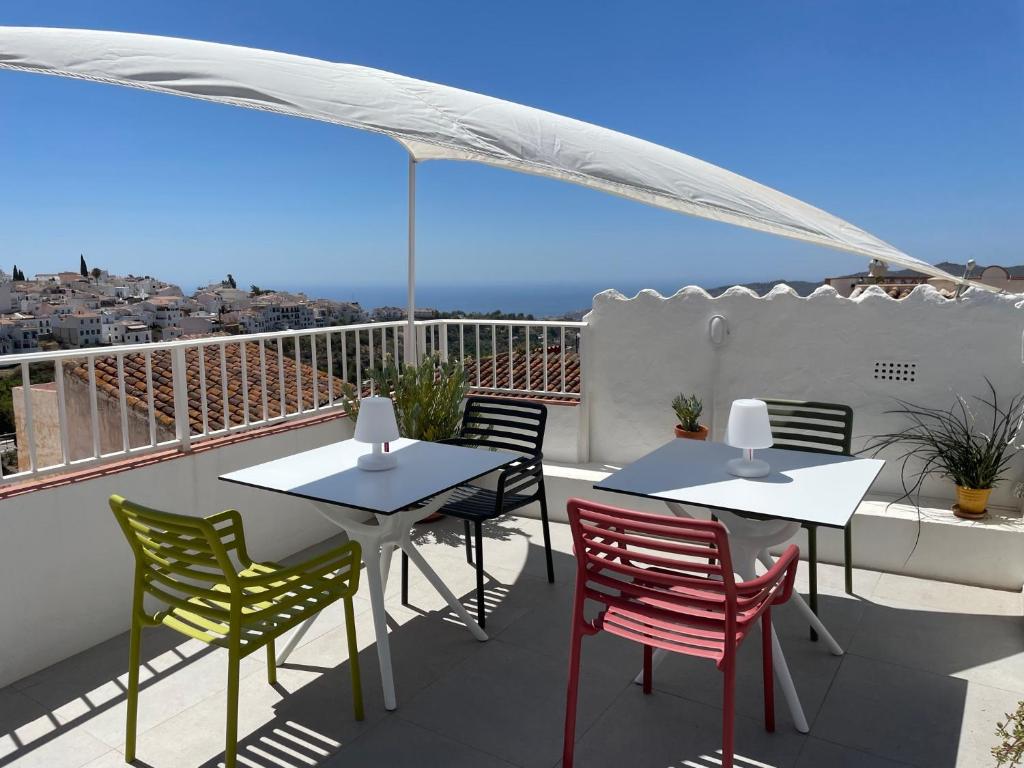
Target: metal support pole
x=411, y=347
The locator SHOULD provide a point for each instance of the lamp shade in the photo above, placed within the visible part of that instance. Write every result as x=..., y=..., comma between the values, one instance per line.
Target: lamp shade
x=376, y=421
x=748, y=425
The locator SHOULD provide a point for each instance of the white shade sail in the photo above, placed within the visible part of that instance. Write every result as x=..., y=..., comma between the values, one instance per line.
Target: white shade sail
x=436, y=122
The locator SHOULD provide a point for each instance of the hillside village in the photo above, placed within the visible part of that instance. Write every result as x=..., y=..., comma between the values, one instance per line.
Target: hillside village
x=92, y=308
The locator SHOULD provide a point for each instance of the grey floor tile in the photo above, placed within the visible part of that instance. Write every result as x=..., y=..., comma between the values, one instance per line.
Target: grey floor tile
x=506, y=684
x=664, y=730
x=824, y=754
x=894, y=712
x=397, y=743
x=980, y=647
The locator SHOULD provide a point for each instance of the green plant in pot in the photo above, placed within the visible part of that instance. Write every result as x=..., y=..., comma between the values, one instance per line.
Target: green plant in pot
x=428, y=396
x=972, y=449
x=688, y=409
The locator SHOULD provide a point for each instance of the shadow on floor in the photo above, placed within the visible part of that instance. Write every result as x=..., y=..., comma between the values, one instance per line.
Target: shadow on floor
x=313, y=724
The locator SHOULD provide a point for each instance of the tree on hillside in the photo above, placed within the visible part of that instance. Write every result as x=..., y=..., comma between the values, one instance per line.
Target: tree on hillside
x=82, y=268
x=17, y=274
x=231, y=281
x=96, y=272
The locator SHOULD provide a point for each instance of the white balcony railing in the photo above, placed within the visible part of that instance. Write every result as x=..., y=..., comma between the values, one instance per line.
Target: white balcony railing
x=81, y=407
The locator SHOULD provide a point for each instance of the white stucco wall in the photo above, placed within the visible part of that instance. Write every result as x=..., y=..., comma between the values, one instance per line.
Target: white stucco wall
x=67, y=571
x=639, y=352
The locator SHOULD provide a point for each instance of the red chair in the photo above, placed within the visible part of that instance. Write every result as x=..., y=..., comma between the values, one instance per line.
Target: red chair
x=667, y=582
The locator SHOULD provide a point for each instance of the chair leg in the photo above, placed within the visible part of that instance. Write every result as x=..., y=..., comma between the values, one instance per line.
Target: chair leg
x=767, y=670
x=812, y=572
x=547, y=532
x=728, y=712
x=469, y=542
x=481, y=614
x=648, y=668
x=569, y=738
x=353, y=659
x=271, y=663
x=134, y=648
x=848, y=555
x=405, y=578
x=231, y=731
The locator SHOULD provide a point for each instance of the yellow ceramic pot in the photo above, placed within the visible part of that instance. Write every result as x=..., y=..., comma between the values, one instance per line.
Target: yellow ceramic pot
x=971, y=502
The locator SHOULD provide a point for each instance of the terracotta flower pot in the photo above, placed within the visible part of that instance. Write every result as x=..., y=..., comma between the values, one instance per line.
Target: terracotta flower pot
x=700, y=434
x=971, y=503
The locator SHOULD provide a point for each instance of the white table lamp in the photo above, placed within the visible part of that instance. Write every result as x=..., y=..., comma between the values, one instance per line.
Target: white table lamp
x=749, y=429
x=376, y=424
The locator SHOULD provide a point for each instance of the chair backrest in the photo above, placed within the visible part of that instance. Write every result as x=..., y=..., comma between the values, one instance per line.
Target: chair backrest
x=668, y=569
x=506, y=424
x=804, y=425
x=180, y=558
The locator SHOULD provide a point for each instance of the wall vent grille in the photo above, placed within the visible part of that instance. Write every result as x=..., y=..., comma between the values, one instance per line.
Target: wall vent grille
x=895, y=370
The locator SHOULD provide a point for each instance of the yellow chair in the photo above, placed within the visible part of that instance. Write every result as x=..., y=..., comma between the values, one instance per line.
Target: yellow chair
x=186, y=564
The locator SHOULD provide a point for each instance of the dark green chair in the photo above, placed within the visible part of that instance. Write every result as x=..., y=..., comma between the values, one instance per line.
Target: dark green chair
x=804, y=425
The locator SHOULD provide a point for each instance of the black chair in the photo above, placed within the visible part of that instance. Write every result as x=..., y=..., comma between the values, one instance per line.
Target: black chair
x=800, y=425
x=498, y=424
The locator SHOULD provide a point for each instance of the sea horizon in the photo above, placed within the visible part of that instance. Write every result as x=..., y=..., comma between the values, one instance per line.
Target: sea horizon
x=548, y=300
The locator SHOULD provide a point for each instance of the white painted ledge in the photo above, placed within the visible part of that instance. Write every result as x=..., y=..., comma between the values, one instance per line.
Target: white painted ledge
x=886, y=536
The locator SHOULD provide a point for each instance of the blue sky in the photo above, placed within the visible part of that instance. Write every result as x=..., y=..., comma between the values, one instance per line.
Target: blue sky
x=904, y=118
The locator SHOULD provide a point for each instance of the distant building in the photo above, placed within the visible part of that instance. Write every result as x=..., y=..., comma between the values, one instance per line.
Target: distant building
x=901, y=283
x=78, y=329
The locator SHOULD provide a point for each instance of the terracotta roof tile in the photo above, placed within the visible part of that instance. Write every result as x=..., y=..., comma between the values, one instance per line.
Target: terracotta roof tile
x=137, y=395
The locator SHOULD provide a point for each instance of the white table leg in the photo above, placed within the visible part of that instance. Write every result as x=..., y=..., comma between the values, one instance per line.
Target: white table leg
x=796, y=709
x=812, y=619
x=295, y=639
x=372, y=558
x=450, y=598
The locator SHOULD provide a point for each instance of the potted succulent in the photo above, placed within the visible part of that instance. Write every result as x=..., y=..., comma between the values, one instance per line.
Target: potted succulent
x=973, y=450
x=688, y=409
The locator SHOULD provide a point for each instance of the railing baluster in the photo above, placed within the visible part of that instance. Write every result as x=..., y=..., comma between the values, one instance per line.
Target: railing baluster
x=462, y=345
x=30, y=428
x=300, y=395
x=179, y=377
x=528, y=372
x=316, y=372
x=476, y=352
x=511, y=360
x=394, y=336
x=264, y=405
x=244, y=364
x=280, y=378
x=225, y=406
x=563, y=359
x=123, y=401
x=62, y=412
x=344, y=356
x=494, y=355
x=151, y=398
x=94, y=409
x=370, y=333
x=544, y=330
x=330, y=371
x=359, y=365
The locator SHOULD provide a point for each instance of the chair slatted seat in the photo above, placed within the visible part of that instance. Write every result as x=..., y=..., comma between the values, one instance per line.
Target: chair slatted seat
x=209, y=589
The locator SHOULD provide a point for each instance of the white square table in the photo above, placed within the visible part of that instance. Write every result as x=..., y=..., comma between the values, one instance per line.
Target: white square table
x=802, y=487
x=419, y=485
